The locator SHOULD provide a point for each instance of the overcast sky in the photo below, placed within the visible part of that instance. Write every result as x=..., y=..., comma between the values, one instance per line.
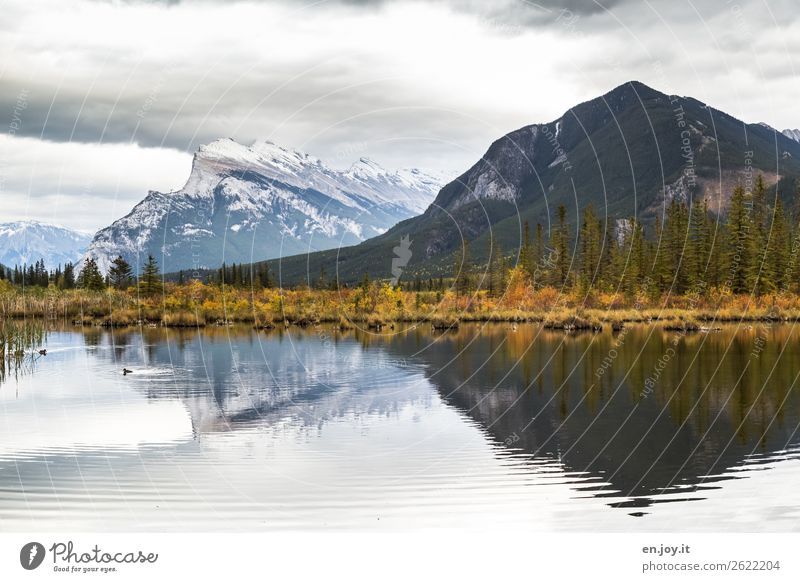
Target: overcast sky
x=102, y=101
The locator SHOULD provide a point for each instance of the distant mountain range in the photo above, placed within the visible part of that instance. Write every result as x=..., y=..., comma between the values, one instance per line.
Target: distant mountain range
x=627, y=152
x=25, y=242
x=247, y=203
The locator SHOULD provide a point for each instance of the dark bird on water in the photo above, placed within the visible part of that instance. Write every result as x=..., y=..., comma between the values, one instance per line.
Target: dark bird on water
x=126, y=371
x=42, y=352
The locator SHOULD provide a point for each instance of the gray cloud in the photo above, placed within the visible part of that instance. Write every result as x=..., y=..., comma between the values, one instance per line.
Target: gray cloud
x=406, y=83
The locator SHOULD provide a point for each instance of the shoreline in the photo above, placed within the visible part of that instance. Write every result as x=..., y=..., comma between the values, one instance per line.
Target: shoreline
x=563, y=319
x=376, y=307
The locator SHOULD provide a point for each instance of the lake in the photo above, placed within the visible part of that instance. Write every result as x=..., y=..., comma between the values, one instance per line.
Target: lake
x=495, y=425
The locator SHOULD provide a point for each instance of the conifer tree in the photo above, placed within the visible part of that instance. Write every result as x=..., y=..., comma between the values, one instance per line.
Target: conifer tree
x=560, y=245
x=264, y=276
x=150, y=281
x=698, y=248
x=90, y=277
x=497, y=272
x=637, y=261
x=526, y=259
x=462, y=281
x=538, y=244
x=120, y=273
x=776, y=261
x=590, y=247
x=740, y=244
x=69, y=276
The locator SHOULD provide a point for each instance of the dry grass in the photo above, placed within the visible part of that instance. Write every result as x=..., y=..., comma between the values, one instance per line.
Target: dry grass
x=380, y=305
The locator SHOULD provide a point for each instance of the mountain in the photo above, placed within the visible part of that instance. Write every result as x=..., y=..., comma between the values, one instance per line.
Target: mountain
x=626, y=152
x=25, y=242
x=243, y=203
x=792, y=134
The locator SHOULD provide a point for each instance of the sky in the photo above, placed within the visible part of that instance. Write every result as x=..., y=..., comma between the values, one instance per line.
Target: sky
x=101, y=101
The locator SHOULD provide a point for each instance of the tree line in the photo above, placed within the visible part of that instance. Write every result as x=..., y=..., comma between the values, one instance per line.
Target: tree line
x=752, y=249
x=120, y=276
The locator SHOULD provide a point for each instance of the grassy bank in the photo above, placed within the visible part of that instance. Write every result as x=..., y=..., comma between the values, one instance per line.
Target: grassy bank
x=377, y=305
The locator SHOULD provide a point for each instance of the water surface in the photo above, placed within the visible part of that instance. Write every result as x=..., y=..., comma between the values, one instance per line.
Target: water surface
x=488, y=426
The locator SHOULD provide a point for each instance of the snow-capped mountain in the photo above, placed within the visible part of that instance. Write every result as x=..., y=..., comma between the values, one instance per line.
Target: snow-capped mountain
x=249, y=203
x=792, y=134
x=25, y=242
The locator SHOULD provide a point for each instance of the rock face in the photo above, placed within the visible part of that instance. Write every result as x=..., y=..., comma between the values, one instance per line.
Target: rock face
x=25, y=242
x=250, y=203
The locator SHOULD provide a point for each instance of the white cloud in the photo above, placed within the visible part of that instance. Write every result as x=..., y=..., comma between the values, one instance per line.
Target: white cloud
x=79, y=185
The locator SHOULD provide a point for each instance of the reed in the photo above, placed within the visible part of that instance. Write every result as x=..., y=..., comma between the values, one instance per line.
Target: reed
x=18, y=342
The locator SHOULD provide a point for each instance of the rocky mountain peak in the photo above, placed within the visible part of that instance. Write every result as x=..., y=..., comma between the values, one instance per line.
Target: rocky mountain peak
x=293, y=201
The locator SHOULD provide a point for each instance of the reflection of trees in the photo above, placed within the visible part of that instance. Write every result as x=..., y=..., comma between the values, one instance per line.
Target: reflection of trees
x=548, y=381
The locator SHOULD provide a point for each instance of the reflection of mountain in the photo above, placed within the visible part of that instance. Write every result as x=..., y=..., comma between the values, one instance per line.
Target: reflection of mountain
x=545, y=398
x=254, y=381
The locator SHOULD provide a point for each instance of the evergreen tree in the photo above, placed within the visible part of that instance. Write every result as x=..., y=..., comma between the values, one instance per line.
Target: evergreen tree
x=497, y=272
x=760, y=210
x=150, y=281
x=526, y=258
x=698, y=246
x=90, y=277
x=264, y=276
x=590, y=238
x=740, y=243
x=222, y=274
x=560, y=242
x=69, y=276
x=538, y=245
x=637, y=258
x=776, y=261
x=120, y=273
x=462, y=281
x=763, y=279
x=718, y=234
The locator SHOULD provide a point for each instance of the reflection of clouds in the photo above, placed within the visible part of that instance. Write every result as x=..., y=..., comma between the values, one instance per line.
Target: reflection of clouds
x=103, y=426
x=69, y=405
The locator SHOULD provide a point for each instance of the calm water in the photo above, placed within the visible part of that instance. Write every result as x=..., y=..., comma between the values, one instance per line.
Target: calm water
x=489, y=426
